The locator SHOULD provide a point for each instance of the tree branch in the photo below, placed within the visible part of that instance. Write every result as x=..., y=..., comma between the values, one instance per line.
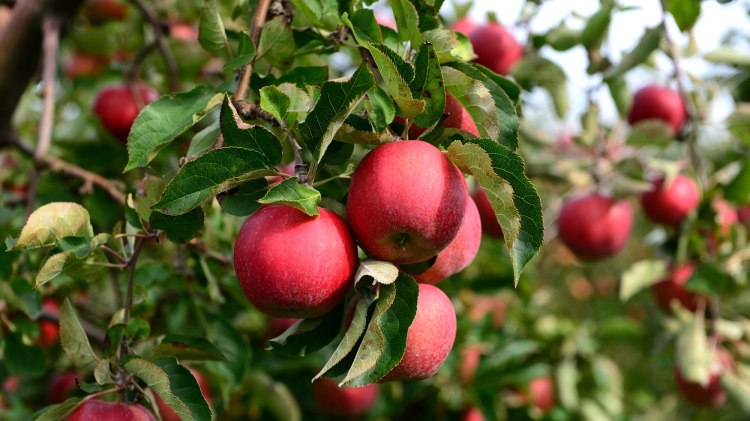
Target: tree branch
x=243, y=82
x=166, y=54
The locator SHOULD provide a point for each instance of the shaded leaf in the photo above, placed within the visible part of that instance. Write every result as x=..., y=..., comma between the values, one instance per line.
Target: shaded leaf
x=243, y=201
x=180, y=228
x=255, y=138
x=211, y=34
x=476, y=98
x=188, y=348
x=428, y=86
x=290, y=192
x=309, y=335
x=73, y=338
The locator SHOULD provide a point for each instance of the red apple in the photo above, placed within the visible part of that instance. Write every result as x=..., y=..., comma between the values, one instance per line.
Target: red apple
x=184, y=31
x=285, y=169
x=490, y=226
x=457, y=118
x=658, y=103
x=479, y=306
x=406, y=202
x=460, y=252
x=290, y=264
x=472, y=414
x=11, y=384
x=672, y=288
x=743, y=214
x=49, y=330
x=385, y=20
x=669, y=205
x=96, y=410
x=711, y=394
x=465, y=26
x=100, y=11
x=726, y=216
x=343, y=401
x=80, y=65
x=430, y=337
x=594, y=226
x=117, y=107
x=61, y=386
x=541, y=393
x=468, y=363
x=166, y=411
x=495, y=47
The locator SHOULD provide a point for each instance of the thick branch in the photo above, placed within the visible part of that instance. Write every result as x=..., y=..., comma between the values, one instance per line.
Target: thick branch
x=174, y=80
x=259, y=18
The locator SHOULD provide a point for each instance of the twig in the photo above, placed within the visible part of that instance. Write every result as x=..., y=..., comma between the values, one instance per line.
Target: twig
x=169, y=61
x=132, y=70
x=243, y=82
x=113, y=253
x=131, y=278
x=202, y=249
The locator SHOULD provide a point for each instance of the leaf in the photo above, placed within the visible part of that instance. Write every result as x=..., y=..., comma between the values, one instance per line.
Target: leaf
x=337, y=100
x=213, y=172
x=235, y=349
x=407, y=21
x=648, y=43
x=188, y=348
x=276, y=43
x=428, y=86
x=245, y=53
x=738, y=123
x=309, y=335
x=534, y=70
x=161, y=121
x=709, y=279
x=738, y=190
x=375, y=272
x=59, y=411
x=286, y=102
x=290, y=192
x=476, y=98
x=211, y=34
x=685, y=12
x=497, y=167
x=243, y=201
x=73, y=338
x=641, y=275
x=738, y=387
x=380, y=109
x=256, y=138
x=312, y=10
x=54, y=266
x=350, y=134
x=304, y=76
x=180, y=228
x=728, y=55
x=149, y=191
x=396, y=75
x=102, y=372
x=694, y=358
x=449, y=45
x=174, y=384
x=22, y=359
x=596, y=27
x=53, y=222
x=364, y=26
x=563, y=38
x=137, y=328
x=274, y=396
x=202, y=141
x=352, y=336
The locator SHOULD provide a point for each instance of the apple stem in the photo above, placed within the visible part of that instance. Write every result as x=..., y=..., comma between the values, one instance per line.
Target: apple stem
x=166, y=54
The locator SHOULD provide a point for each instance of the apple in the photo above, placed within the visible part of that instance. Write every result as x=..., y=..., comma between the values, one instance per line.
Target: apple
x=288, y=169
x=743, y=214
x=654, y=102
x=385, y=20
x=82, y=65
x=95, y=409
x=49, y=330
x=465, y=26
x=430, y=337
x=480, y=306
x=61, y=386
x=100, y=11
x=669, y=205
x=344, y=401
x=406, y=202
x=279, y=325
x=468, y=363
x=117, y=107
x=711, y=394
x=457, y=118
x=460, y=252
x=495, y=47
x=472, y=414
x=672, y=288
x=726, y=216
x=290, y=264
x=166, y=411
x=490, y=226
x=183, y=31
x=595, y=226
x=541, y=393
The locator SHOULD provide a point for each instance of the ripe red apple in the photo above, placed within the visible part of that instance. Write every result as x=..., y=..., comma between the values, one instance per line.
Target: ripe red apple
x=457, y=118
x=495, y=47
x=670, y=204
x=80, y=65
x=293, y=265
x=468, y=363
x=743, y=214
x=285, y=169
x=385, y=20
x=61, y=386
x=166, y=411
x=49, y=330
x=658, y=103
x=726, y=217
x=490, y=226
x=117, y=107
x=460, y=252
x=672, y=288
x=472, y=414
x=95, y=409
x=344, y=401
x=184, y=31
x=712, y=394
x=430, y=337
x=594, y=226
x=100, y=11
x=465, y=26
x=541, y=393
x=406, y=202
x=479, y=306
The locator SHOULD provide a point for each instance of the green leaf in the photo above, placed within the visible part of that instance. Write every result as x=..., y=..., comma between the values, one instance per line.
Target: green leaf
x=174, y=384
x=694, y=358
x=235, y=349
x=59, y=411
x=311, y=9
x=245, y=53
x=350, y=134
x=738, y=386
x=276, y=43
x=641, y=275
x=648, y=43
x=500, y=172
x=374, y=272
x=180, y=228
x=54, y=266
x=728, y=55
x=53, y=222
x=290, y=192
x=476, y=98
x=73, y=338
x=212, y=173
x=620, y=94
x=23, y=359
x=428, y=85
x=449, y=45
x=202, y=141
x=304, y=75
x=188, y=348
x=397, y=74
x=352, y=336
x=274, y=396
x=103, y=372
x=738, y=123
x=738, y=190
x=685, y=12
x=364, y=26
x=256, y=138
x=137, y=328
x=709, y=279
x=337, y=100
x=286, y=102
x=148, y=193
x=563, y=38
x=428, y=12
x=163, y=120
x=534, y=70
x=243, y=201
x=596, y=27
x=380, y=109
x=407, y=21
x=309, y=335
x=211, y=34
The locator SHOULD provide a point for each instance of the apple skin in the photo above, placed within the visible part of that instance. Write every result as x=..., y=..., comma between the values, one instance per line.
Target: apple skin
x=344, y=401
x=184, y=31
x=711, y=395
x=541, y=393
x=100, y=11
x=430, y=337
x=166, y=411
x=495, y=47
x=290, y=264
x=406, y=202
x=654, y=102
x=468, y=363
x=490, y=226
x=594, y=226
x=49, y=330
x=671, y=288
x=61, y=386
x=472, y=414
x=279, y=325
x=117, y=108
x=98, y=410
x=465, y=26
x=669, y=205
x=458, y=118
x=460, y=252
x=82, y=65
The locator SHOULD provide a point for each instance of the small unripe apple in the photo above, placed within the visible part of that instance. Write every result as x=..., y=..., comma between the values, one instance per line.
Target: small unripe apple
x=465, y=26
x=658, y=103
x=541, y=393
x=344, y=401
x=49, y=330
x=166, y=411
x=460, y=252
x=61, y=386
x=472, y=414
x=594, y=226
x=117, y=107
x=290, y=264
x=495, y=47
x=95, y=409
x=490, y=226
x=669, y=205
x=406, y=202
x=713, y=393
x=430, y=337
x=672, y=288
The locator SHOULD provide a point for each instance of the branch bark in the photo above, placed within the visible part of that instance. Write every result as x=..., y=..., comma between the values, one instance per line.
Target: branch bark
x=243, y=83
